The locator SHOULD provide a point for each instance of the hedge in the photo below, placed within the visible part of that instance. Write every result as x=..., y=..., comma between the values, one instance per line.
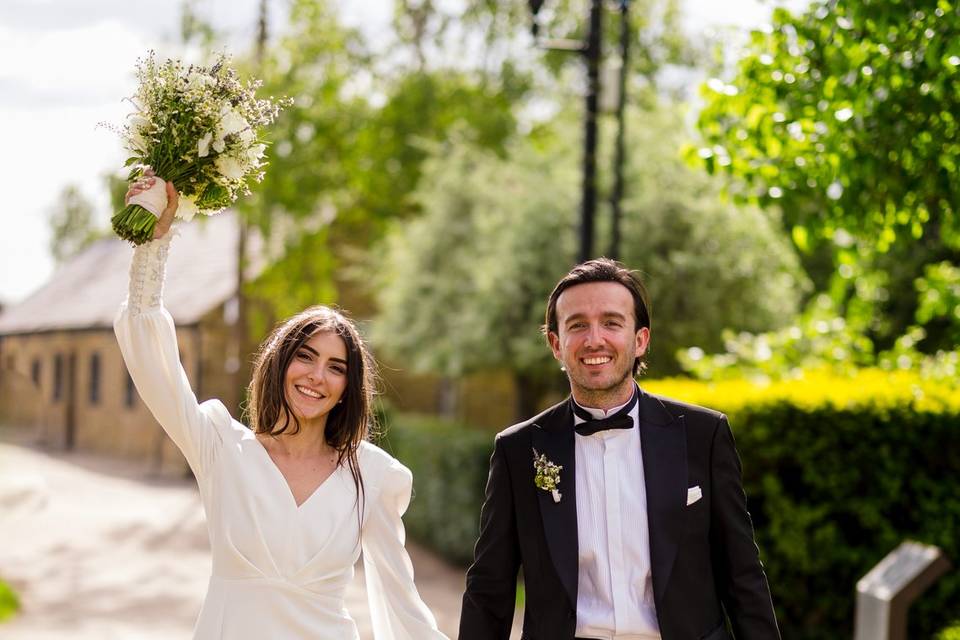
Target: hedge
x=950, y=633
x=838, y=472
x=449, y=464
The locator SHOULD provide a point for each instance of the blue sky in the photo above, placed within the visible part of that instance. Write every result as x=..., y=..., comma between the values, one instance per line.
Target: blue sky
x=65, y=65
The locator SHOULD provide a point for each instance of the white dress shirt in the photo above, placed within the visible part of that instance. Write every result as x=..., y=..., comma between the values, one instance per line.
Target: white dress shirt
x=614, y=586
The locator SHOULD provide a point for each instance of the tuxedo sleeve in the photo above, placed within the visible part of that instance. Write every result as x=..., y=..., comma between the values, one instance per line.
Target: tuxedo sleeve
x=490, y=597
x=740, y=577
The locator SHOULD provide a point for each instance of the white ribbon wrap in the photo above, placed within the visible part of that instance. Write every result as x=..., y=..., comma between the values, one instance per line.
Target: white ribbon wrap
x=153, y=199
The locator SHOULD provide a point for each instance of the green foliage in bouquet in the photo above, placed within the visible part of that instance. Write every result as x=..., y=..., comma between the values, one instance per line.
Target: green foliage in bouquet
x=197, y=127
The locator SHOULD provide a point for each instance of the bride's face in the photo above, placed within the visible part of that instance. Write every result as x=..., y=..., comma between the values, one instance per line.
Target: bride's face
x=317, y=376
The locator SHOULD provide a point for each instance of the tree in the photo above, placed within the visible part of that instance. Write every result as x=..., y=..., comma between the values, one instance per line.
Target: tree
x=845, y=117
x=72, y=224
x=345, y=157
x=463, y=287
x=316, y=64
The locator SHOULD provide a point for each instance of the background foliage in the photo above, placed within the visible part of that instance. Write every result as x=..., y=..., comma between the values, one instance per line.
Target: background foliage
x=449, y=463
x=463, y=287
x=844, y=117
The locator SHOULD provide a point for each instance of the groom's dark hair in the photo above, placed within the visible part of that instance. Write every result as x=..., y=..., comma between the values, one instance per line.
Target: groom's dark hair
x=603, y=270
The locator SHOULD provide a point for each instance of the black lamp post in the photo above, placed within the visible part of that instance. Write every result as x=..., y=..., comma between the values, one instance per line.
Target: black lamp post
x=591, y=50
x=616, y=196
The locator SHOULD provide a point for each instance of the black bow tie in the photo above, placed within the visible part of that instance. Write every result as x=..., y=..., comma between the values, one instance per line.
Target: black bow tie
x=620, y=420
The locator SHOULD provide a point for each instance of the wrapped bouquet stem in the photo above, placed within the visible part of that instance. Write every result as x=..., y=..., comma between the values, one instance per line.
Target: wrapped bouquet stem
x=197, y=127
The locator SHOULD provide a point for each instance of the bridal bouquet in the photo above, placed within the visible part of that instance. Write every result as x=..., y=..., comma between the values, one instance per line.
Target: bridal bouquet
x=197, y=127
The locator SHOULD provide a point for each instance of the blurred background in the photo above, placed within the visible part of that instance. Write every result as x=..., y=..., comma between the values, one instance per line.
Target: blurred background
x=783, y=174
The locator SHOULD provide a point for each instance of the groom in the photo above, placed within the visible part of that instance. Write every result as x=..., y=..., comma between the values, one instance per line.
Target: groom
x=624, y=509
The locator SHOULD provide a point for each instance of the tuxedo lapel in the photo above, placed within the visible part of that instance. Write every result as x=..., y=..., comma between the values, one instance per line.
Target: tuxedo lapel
x=663, y=442
x=553, y=437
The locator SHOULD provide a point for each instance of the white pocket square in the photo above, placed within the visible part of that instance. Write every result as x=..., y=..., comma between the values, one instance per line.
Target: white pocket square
x=693, y=494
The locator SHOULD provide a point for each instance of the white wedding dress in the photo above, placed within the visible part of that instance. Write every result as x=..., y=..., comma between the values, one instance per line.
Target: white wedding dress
x=279, y=571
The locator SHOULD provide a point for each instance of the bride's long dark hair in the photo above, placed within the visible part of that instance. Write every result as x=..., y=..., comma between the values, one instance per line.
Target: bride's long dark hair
x=351, y=420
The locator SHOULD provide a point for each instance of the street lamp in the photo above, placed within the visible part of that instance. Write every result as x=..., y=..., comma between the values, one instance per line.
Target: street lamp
x=591, y=50
x=616, y=196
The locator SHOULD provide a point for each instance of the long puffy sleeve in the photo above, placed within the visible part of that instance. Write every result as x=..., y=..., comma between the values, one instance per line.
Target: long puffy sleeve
x=148, y=342
x=396, y=610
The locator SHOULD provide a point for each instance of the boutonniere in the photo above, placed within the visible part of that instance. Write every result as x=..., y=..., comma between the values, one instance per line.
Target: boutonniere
x=548, y=475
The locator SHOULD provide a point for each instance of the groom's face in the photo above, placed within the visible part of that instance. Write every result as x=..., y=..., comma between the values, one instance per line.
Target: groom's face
x=597, y=339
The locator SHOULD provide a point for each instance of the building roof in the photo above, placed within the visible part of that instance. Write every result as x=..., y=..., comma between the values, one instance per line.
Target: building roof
x=86, y=291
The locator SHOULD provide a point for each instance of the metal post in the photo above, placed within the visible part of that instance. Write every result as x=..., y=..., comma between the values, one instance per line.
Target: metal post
x=616, y=197
x=589, y=205
x=885, y=594
x=241, y=375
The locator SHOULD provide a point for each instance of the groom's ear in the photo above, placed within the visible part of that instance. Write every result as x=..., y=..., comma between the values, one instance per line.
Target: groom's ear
x=554, y=341
x=643, y=341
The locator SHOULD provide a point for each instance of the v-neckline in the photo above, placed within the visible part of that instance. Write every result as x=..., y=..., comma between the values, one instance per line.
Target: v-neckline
x=286, y=483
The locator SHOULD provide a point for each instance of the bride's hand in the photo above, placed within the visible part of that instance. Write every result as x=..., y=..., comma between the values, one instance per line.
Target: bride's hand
x=173, y=198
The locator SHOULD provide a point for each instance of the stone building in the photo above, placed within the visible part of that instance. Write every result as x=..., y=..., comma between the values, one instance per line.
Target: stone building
x=61, y=373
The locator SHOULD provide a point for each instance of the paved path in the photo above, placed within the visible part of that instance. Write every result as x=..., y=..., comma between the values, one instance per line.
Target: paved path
x=99, y=552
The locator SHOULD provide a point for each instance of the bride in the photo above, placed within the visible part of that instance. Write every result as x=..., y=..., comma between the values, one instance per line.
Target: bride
x=292, y=501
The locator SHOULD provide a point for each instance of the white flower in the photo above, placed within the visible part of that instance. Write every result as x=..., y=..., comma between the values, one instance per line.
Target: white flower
x=203, y=145
x=219, y=145
x=187, y=208
x=231, y=122
x=255, y=153
x=136, y=143
x=136, y=140
x=230, y=167
x=138, y=122
x=247, y=136
x=198, y=80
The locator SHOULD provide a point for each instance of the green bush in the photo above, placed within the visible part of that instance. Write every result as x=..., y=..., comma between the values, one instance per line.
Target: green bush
x=838, y=472
x=9, y=604
x=950, y=633
x=449, y=464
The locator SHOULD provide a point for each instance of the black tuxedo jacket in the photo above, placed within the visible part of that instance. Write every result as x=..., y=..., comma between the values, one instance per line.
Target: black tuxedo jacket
x=705, y=564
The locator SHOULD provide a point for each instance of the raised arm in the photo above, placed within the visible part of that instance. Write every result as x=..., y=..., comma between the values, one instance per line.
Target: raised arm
x=148, y=341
